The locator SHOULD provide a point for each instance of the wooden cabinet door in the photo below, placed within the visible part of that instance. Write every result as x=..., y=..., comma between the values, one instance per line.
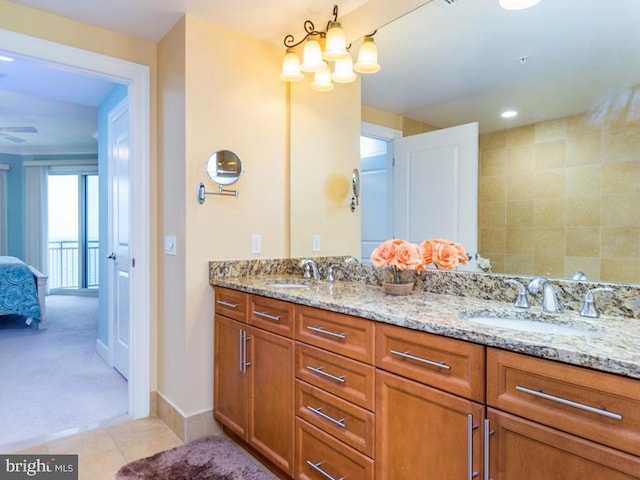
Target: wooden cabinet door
x=271, y=396
x=524, y=450
x=424, y=433
x=230, y=384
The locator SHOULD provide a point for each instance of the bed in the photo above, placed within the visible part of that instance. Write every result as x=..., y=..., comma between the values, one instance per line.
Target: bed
x=22, y=291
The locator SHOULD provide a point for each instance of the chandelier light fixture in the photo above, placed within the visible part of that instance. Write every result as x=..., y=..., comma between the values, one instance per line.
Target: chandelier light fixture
x=326, y=55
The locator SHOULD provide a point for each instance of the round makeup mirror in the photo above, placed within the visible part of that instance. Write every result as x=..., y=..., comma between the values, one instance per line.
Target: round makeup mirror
x=224, y=167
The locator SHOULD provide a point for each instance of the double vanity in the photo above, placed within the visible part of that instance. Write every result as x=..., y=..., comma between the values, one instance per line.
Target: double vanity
x=331, y=380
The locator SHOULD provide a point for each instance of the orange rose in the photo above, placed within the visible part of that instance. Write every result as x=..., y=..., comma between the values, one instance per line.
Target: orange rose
x=447, y=256
x=408, y=256
x=426, y=250
x=384, y=254
x=462, y=255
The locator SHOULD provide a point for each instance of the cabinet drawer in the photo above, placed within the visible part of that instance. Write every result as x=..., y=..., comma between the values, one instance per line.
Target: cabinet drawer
x=448, y=364
x=319, y=457
x=231, y=303
x=339, y=333
x=596, y=405
x=272, y=315
x=353, y=425
x=346, y=378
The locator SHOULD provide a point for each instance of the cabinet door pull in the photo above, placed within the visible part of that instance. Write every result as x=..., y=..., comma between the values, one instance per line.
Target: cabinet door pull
x=275, y=318
x=487, y=434
x=245, y=363
x=570, y=403
x=470, y=473
x=420, y=359
x=241, y=350
x=227, y=304
x=319, y=411
x=319, y=371
x=327, y=332
x=316, y=467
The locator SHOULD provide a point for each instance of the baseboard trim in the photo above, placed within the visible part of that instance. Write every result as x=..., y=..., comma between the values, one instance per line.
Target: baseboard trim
x=103, y=352
x=187, y=428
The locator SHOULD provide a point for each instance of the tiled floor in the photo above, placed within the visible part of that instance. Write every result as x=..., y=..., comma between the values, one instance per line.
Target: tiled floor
x=102, y=451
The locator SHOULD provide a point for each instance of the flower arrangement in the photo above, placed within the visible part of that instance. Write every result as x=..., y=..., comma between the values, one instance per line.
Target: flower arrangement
x=400, y=255
x=444, y=254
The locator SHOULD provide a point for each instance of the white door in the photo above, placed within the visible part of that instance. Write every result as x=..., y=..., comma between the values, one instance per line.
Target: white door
x=118, y=167
x=435, y=180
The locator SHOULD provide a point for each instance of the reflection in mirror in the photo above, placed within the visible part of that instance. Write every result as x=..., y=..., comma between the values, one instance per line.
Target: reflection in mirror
x=224, y=167
x=355, y=186
x=559, y=183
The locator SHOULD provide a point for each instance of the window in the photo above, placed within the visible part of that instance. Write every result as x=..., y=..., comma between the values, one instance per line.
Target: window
x=73, y=231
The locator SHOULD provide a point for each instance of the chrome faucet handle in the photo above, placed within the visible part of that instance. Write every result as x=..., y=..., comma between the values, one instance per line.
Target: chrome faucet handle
x=351, y=259
x=330, y=270
x=522, y=301
x=589, y=308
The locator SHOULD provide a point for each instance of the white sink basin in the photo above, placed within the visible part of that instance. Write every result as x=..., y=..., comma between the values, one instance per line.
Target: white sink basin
x=531, y=326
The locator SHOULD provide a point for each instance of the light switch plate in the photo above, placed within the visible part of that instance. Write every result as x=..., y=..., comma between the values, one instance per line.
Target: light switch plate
x=170, y=244
x=316, y=243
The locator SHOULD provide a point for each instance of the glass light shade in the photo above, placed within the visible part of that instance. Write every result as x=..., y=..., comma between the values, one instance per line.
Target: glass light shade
x=335, y=46
x=517, y=4
x=367, y=57
x=312, y=56
x=322, y=81
x=343, y=70
x=291, y=67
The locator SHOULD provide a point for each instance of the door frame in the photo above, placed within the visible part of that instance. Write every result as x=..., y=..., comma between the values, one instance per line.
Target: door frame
x=137, y=78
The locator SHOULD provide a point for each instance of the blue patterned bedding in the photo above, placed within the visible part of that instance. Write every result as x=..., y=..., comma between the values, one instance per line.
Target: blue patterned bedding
x=18, y=290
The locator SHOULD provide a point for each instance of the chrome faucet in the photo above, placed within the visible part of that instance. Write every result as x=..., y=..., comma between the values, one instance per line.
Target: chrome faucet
x=589, y=308
x=522, y=301
x=310, y=266
x=550, y=302
x=330, y=270
x=351, y=259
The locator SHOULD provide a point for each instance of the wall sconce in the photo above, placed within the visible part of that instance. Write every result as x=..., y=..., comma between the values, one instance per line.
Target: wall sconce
x=223, y=168
x=322, y=48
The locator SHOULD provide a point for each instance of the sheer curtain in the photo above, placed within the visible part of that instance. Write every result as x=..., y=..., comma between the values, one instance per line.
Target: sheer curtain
x=36, y=229
x=3, y=209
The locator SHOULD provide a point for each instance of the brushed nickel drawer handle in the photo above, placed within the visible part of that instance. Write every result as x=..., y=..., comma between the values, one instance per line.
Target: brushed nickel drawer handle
x=319, y=371
x=275, y=318
x=420, y=359
x=227, y=304
x=570, y=403
x=319, y=411
x=327, y=332
x=316, y=467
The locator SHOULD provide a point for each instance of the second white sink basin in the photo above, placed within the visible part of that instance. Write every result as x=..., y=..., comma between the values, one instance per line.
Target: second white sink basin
x=531, y=326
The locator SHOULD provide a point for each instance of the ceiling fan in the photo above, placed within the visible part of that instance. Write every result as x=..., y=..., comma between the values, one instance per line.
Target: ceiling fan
x=13, y=138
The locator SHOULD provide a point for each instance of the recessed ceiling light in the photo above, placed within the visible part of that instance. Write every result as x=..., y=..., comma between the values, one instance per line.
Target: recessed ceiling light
x=509, y=114
x=517, y=4
x=6, y=59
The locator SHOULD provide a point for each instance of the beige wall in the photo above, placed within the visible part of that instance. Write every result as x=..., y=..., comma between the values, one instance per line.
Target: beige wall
x=560, y=196
x=35, y=23
x=218, y=90
x=406, y=125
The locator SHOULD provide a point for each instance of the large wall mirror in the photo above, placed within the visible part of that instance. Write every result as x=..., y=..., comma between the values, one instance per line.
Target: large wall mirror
x=559, y=184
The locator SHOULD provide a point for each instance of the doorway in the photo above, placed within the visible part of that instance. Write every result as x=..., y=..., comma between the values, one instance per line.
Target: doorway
x=137, y=78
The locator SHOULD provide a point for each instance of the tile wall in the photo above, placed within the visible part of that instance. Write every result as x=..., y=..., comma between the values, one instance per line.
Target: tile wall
x=563, y=195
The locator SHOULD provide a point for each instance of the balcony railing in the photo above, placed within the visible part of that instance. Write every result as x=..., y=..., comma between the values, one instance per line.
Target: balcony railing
x=64, y=258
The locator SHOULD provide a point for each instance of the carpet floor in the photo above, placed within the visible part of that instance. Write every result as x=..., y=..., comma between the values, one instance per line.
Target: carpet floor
x=211, y=458
x=53, y=379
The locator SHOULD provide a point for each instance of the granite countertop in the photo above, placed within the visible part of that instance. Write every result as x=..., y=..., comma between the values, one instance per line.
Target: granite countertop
x=609, y=344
